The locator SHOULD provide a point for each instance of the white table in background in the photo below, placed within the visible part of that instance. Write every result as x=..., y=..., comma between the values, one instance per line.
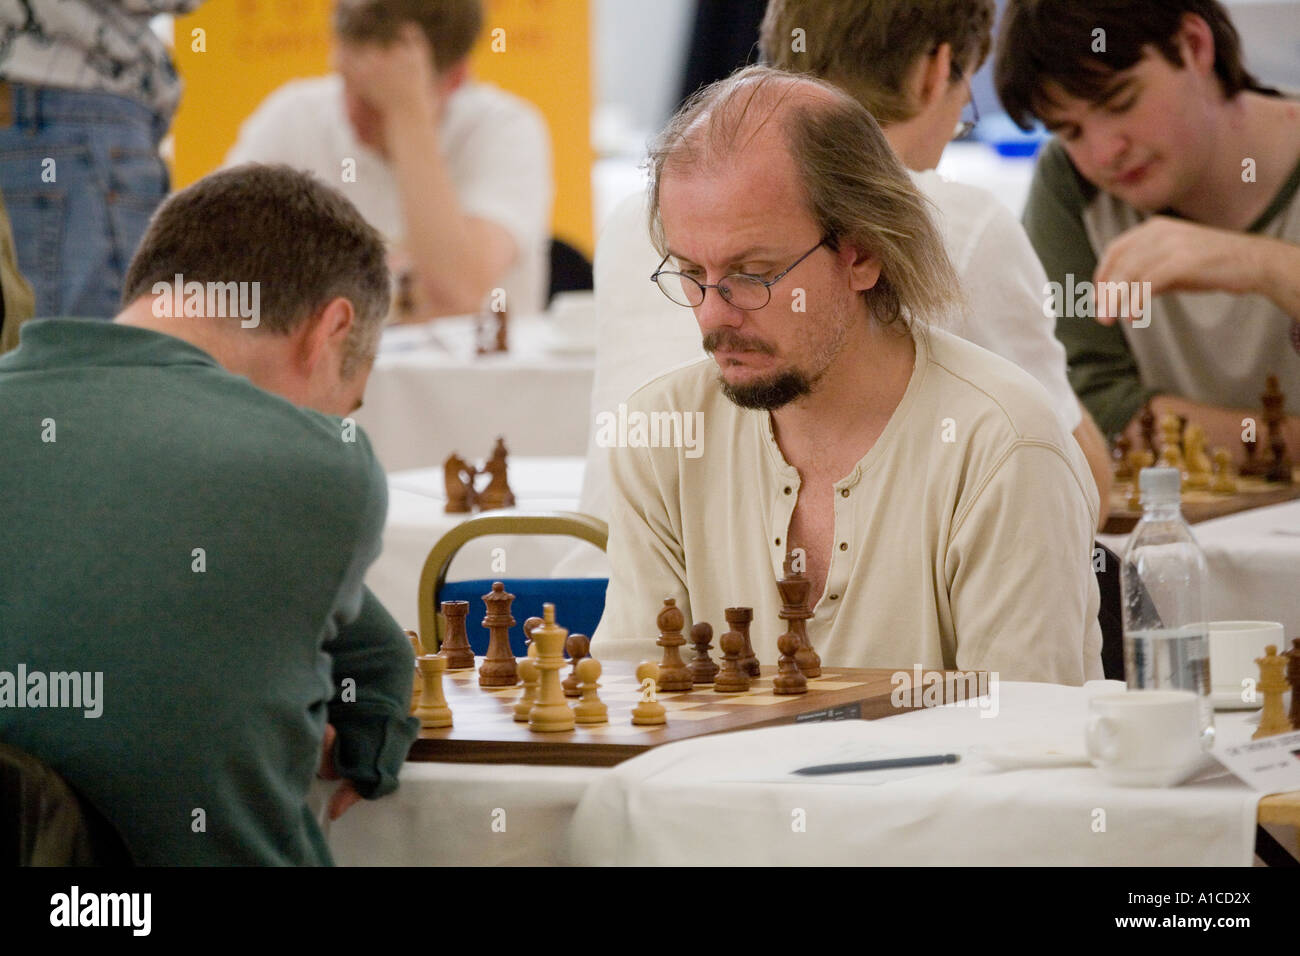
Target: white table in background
x=1253, y=564
x=429, y=395
x=416, y=520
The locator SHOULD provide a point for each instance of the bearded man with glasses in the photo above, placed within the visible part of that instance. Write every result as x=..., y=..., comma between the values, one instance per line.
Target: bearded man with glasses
x=939, y=509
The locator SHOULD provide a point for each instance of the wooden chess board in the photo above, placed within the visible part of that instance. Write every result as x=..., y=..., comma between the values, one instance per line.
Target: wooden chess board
x=484, y=730
x=1203, y=505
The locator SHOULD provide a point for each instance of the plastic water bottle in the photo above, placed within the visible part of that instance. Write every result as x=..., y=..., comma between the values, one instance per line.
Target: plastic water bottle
x=1162, y=579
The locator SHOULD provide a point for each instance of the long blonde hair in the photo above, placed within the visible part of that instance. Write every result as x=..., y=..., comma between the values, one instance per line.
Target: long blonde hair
x=856, y=189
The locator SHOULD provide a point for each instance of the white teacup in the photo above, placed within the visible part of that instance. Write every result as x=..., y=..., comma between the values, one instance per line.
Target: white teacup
x=1234, y=646
x=1145, y=738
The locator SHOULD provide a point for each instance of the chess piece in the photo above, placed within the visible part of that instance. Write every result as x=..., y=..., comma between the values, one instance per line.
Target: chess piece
x=418, y=649
x=433, y=710
x=529, y=674
x=1278, y=467
x=789, y=679
x=1123, y=471
x=732, y=677
x=648, y=712
x=738, y=619
x=1148, y=425
x=1140, y=460
x=1198, y=462
x=1272, y=719
x=703, y=670
x=551, y=711
x=455, y=646
x=498, y=668
x=1293, y=678
x=673, y=672
x=491, y=332
x=529, y=625
x=404, y=301
x=497, y=494
x=458, y=478
x=1225, y=482
x=1171, y=451
x=577, y=646
x=590, y=709
x=794, y=593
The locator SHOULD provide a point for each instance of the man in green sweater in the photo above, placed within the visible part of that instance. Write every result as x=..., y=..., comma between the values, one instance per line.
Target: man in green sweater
x=1170, y=200
x=184, y=632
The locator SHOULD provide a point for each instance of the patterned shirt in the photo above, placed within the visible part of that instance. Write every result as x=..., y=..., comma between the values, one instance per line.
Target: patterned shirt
x=105, y=45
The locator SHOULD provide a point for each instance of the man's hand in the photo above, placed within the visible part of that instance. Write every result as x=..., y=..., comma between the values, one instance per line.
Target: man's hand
x=398, y=82
x=1176, y=256
x=346, y=794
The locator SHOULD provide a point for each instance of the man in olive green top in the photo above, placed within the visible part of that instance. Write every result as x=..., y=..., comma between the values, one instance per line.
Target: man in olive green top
x=1169, y=200
x=184, y=632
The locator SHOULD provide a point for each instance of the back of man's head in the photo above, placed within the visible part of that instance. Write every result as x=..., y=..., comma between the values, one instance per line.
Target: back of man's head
x=294, y=242
x=1079, y=46
x=450, y=26
x=869, y=47
x=856, y=190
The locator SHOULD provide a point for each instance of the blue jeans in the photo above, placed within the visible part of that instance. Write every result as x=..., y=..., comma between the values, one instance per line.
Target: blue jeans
x=80, y=175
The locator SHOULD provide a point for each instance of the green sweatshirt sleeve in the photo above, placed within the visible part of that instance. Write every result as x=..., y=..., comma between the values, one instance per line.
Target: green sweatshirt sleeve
x=1102, y=369
x=371, y=713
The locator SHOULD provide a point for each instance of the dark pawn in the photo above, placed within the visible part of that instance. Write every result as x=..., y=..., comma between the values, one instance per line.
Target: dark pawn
x=732, y=678
x=703, y=669
x=577, y=646
x=790, y=679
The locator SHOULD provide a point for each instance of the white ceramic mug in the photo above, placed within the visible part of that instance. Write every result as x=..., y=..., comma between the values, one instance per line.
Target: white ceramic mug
x=1234, y=646
x=1145, y=738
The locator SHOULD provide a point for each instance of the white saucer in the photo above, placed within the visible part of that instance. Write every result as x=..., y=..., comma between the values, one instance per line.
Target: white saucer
x=1231, y=700
x=1028, y=755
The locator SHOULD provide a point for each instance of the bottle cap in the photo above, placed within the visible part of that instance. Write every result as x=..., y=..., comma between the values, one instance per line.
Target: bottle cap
x=1160, y=485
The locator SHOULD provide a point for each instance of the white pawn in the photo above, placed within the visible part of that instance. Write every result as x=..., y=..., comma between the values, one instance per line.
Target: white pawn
x=590, y=709
x=648, y=711
x=433, y=710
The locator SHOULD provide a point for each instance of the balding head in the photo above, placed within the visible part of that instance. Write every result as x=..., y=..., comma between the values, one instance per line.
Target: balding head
x=852, y=184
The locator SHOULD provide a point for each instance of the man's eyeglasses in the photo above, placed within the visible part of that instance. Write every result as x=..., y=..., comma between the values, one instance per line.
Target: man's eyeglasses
x=740, y=289
x=967, y=126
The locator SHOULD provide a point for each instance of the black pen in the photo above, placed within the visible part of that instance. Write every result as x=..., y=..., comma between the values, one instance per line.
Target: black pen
x=878, y=764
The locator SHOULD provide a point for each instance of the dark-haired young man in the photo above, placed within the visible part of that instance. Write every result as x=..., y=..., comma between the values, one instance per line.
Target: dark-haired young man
x=455, y=174
x=1171, y=166
x=187, y=523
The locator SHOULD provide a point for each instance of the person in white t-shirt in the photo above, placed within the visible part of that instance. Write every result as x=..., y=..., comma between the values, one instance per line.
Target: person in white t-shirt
x=909, y=62
x=455, y=174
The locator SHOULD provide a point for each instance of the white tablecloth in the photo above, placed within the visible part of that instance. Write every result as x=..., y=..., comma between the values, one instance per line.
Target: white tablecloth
x=729, y=799
x=416, y=521
x=455, y=814
x=430, y=395
x=1253, y=564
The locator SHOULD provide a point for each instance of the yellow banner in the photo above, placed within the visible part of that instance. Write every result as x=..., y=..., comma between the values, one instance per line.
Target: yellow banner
x=232, y=53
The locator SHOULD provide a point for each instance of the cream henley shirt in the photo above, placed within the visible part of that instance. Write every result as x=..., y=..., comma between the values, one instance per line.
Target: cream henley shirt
x=963, y=538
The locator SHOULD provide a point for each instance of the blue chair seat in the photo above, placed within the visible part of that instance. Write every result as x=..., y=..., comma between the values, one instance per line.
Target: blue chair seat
x=579, y=603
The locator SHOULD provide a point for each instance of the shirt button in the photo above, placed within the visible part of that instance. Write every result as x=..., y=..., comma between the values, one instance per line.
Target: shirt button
x=835, y=597
x=787, y=489
x=844, y=492
x=844, y=546
x=778, y=540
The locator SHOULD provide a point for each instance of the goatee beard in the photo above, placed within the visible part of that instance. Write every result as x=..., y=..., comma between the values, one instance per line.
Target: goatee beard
x=768, y=394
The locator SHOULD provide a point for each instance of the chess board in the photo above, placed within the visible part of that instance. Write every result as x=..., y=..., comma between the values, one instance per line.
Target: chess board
x=1203, y=505
x=484, y=730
